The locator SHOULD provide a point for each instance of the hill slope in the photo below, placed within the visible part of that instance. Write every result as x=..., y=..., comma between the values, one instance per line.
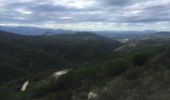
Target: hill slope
x=32, y=54
x=94, y=70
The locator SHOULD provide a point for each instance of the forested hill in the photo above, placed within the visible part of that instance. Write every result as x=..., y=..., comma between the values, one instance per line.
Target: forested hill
x=22, y=55
x=84, y=66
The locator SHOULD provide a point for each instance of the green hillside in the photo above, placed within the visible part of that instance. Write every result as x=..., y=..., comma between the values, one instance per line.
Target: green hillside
x=140, y=72
x=27, y=55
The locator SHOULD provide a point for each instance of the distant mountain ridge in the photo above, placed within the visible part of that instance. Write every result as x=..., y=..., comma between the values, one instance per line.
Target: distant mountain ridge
x=24, y=30
x=32, y=30
x=163, y=33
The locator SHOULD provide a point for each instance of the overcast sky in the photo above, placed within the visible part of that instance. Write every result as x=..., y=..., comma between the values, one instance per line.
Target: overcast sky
x=87, y=14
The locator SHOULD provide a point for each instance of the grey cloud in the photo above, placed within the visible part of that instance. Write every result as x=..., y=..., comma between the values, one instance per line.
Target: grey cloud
x=117, y=2
x=103, y=11
x=50, y=8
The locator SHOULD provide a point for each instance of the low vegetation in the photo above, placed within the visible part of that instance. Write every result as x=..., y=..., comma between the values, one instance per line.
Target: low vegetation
x=139, y=73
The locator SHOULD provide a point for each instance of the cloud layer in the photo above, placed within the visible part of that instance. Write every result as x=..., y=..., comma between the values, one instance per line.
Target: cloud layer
x=87, y=14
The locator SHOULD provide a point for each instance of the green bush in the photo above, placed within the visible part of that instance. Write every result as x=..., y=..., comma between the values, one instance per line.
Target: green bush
x=115, y=67
x=62, y=95
x=6, y=94
x=140, y=59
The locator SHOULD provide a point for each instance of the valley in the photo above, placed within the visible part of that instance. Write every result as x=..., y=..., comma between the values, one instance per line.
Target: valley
x=84, y=66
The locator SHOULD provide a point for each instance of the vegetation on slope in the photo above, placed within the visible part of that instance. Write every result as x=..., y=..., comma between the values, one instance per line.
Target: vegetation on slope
x=26, y=55
x=135, y=74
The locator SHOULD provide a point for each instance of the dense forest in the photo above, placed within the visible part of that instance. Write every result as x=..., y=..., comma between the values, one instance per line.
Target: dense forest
x=135, y=67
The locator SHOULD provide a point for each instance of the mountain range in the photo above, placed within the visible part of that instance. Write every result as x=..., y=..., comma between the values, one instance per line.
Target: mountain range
x=30, y=54
x=126, y=67
x=24, y=30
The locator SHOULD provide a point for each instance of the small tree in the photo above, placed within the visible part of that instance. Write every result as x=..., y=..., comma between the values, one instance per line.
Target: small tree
x=140, y=59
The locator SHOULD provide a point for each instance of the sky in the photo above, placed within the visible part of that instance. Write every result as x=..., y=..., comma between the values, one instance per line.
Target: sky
x=94, y=15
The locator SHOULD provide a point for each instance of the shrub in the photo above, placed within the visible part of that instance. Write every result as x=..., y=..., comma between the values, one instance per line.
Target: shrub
x=115, y=67
x=140, y=59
